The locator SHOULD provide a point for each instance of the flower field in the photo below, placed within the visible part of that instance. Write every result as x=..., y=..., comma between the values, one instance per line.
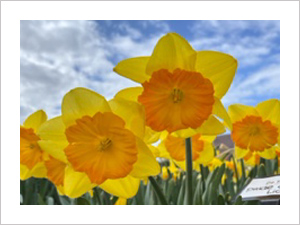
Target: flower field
x=151, y=144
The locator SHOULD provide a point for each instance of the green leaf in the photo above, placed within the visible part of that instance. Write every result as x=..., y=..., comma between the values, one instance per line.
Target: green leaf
x=221, y=200
x=238, y=201
x=158, y=191
x=82, y=201
x=262, y=171
x=50, y=201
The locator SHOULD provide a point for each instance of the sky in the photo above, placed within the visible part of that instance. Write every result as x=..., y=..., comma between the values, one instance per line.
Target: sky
x=57, y=56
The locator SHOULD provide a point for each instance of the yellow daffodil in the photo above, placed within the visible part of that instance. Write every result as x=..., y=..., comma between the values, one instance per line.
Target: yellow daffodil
x=31, y=155
x=172, y=169
x=182, y=87
x=58, y=169
x=164, y=173
x=214, y=163
x=102, y=140
x=173, y=147
x=255, y=129
x=230, y=165
x=252, y=159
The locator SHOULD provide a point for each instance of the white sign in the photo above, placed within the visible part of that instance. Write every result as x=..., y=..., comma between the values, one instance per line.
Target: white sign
x=262, y=187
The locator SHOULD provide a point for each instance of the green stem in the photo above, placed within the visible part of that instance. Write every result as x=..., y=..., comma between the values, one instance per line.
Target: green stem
x=189, y=170
x=158, y=191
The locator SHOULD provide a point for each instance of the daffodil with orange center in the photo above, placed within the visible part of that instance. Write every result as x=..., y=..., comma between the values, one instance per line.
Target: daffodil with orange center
x=256, y=129
x=31, y=155
x=103, y=140
x=182, y=88
x=173, y=148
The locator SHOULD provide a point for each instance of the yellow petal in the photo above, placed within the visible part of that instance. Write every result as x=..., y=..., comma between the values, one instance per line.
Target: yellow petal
x=76, y=183
x=155, y=151
x=132, y=113
x=146, y=164
x=172, y=51
x=134, y=69
x=220, y=111
x=53, y=139
x=270, y=110
x=81, y=102
x=55, y=149
x=209, y=138
x=121, y=201
x=35, y=120
x=207, y=154
x=269, y=153
x=151, y=136
x=163, y=153
x=38, y=171
x=219, y=68
x=238, y=111
x=130, y=94
x=126, y=187
x=211, y=126
x=24, y=172
x=240, y=153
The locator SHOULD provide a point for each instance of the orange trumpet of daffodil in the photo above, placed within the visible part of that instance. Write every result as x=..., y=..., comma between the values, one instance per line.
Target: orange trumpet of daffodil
x=256, y=129
x=103, y=140
x=182, y=87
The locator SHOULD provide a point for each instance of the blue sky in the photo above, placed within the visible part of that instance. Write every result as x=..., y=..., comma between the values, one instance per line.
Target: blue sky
x=57, y=56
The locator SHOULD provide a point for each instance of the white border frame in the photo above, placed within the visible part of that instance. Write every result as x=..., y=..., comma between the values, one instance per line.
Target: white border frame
x=286, y=12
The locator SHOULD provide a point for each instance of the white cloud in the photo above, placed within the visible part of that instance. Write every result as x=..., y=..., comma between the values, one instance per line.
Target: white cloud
x=249, y=41
x=57, y=56
x=264, y=83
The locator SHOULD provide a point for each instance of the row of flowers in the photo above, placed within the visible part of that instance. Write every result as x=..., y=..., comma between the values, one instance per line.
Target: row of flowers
x=114, y=144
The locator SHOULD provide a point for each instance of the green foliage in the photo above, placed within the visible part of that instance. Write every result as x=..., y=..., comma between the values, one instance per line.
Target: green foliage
x=218, y=187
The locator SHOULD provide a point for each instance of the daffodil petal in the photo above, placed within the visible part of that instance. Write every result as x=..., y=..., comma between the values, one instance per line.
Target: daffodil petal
x=155, y=151
x=240, y=153
x=55, y=149
x=121, y=201
x=130, y=94
x=126, y=187
x=146, y=164
x=220, y=111
x=76, y=183
x=132, y=113
x=208, y=138
x=35, y=120
x=151, y=136
x=269, y=153
x=53, y=138
x=270, y=110
x=207, y=154
x=134, y=69
x=81, y=102
x=219, y=68
x=163, y=153
x=211, y=126
x=38, y=171
x=24, y=172
x=237, y=112
x=171, y=52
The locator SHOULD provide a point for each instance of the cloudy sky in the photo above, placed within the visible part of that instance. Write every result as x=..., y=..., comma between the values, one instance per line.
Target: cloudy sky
x=57, y=56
